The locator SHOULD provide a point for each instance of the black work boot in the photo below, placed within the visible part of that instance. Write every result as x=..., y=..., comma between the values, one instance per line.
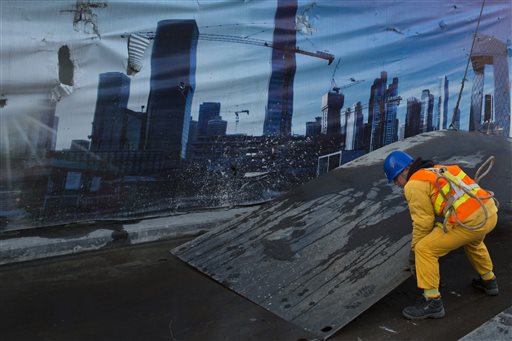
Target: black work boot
x=490, y=287
x=426, y=308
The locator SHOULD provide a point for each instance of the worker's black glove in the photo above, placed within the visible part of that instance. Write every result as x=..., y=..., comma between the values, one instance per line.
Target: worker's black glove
x=412, y=263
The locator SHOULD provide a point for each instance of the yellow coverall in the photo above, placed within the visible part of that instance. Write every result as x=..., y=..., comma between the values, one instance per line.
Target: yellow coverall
x=430, y=242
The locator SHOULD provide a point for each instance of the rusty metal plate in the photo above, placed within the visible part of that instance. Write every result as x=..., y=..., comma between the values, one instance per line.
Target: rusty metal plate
x=325, y=252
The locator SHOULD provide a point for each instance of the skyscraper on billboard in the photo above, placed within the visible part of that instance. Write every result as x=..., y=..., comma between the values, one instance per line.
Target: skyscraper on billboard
x=193, y=131
x=427, y=109
x=436, y=117
x=109, y=116
x=350, y=128
x=412, y=117
x=133, y=131
x=488, y=108
x=359, y=127
x=376, y=110
x=489, y=50
x=217, y=127
x=279, y=110
x=332, y=102
x=390, y=133
x=382, y=111
x=440, y=120
x=446, y=97
x=173, y=66
x=207, y=111
x=354, y=128
x=314, y=129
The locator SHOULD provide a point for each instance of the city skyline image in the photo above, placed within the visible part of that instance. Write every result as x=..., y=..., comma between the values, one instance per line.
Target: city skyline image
x=110, y=109
x=244, y=85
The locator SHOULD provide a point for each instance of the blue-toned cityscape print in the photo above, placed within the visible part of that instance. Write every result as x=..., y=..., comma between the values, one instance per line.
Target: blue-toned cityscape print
x=124, y=109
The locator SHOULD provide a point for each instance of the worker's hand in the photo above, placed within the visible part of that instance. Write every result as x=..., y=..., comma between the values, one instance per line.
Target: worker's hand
x=412, y=263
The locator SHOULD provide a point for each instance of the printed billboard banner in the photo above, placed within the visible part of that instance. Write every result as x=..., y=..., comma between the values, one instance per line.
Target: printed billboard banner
x=113, y=109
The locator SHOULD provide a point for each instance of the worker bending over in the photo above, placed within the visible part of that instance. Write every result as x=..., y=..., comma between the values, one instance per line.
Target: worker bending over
x=448, y=210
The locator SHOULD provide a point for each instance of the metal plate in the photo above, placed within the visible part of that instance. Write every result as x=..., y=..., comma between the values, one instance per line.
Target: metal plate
x=325, y=252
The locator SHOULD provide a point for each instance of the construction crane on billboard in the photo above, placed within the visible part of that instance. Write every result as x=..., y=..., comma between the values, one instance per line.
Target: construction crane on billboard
x=237, y=117
x=333, y=81
x=353, y=82
x=139, y=41
x=336, y=88
x=259, y=42
x=334, y=85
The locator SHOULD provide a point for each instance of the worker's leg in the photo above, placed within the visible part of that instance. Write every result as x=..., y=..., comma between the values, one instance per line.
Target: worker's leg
x=480, y=259
x=435, y=245
x=428, y=251
x=427, y=268
x=477, y=252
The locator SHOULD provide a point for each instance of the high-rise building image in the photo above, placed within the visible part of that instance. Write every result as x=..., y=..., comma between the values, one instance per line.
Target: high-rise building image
x=192, y=131
x=350, y=123
x=359, y=127
x=401, y=132
x=207, y=112
x=173, y=66
x=427, y=110
x=279, y=110
x=488, y=108
x=412, y=117
x=332, y=102
x=217, y=127
x=134, y=130
x=390, y=133
x=436, y=118
x=382, y=109
x=488, y=123
x=376, y=110
x=109, y=116
x=314, y=129
x=440, y=120
x=445, y=103
x=490, y=51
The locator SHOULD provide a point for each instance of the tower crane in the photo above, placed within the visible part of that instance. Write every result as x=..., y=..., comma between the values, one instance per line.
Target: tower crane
x=259, y=42
x=139, y=41
x=333, y=82
x=237, y=117
x=354, y=82
x=334, y=86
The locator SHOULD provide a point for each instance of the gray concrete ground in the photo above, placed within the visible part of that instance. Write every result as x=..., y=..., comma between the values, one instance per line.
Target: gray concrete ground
x=121, y=291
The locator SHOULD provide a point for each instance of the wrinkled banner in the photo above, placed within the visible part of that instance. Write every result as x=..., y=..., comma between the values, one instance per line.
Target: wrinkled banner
x=113, y=109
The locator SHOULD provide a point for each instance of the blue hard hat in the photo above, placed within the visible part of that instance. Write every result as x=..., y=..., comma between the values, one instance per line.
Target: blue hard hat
x=395, y=163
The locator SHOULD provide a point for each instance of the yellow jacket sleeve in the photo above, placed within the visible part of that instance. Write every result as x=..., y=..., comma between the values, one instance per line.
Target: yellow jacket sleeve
x=418, y=195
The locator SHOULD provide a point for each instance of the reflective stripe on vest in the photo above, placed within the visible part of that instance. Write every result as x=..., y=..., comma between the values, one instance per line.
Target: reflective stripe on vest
x=463, y=204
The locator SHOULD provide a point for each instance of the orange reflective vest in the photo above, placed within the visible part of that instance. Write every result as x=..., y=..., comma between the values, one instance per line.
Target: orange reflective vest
x=461, y=202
